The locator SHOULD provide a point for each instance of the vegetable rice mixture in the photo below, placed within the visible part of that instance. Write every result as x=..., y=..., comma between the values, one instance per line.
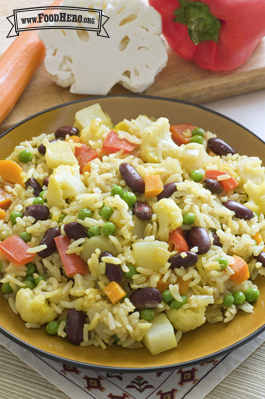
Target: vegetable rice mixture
x=130, y=234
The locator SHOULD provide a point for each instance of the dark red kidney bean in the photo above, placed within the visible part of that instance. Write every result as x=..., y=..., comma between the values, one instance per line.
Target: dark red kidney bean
x=177, y=260
x=46, y=181
x=74, y=326
x=104, y=253
x=198, y=237
x=64, y=130
x=213, y=185
x=216, y=240
x=113, y=272
x=48, y=239
x=168, y=190
x=39, y=212
x=142, y=210
x=146, y=298
x=42, y=148
x=32, y=182
x=241, y=211
x=261, y=258
x=220, y=147
x=132, y=178
x=75, y=230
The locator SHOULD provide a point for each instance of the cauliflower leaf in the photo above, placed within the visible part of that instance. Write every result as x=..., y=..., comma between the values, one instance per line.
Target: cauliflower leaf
x=187, y=319
x=169, y=217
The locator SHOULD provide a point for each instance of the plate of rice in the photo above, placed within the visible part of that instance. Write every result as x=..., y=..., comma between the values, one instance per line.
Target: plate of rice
x=131, y=234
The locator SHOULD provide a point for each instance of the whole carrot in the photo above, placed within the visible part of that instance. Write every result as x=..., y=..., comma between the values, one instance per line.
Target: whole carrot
x=17, y=65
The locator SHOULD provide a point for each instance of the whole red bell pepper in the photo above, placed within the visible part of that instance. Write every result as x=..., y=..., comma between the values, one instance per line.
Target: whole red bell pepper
x=216, y=34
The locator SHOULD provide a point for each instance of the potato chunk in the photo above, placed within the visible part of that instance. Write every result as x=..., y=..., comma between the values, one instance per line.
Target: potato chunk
x=160, y=337
x=147, y=254
x=59, y=153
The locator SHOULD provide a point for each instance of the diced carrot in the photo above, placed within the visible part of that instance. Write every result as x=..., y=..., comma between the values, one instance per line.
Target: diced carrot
x=177, y=241
x=228, y=184
x=11, y=172
x=178, y=131
x=2, y=214
x=211, y=153
x=87, y=167
x=14, y=249
x=161, y=286
x=17, y=65
x=241, y=271
x=114, y=292
x=5, y=198
x=153, y=186
x=113, y=144
x=183, y=285
x=75, y=139
x=257, y=237
x=85, y=154
x=72, y=263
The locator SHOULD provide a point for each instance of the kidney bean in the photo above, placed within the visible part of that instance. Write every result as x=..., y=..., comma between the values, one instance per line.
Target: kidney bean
x=213, y=185
x=177, y=260
x=74, y=326
x=146, y=298
x=64, y=130
x=142, y=210
x=75, y=230
x=113, y=272
x=39, y=212
x=220, y=147
x=168, y=190
x=198, y=237
x=241, y=211
x=42, y=148
x=46, y=181
x=132, y=178
x=261, y=258
x=48, y=239
x=32, y=182
x=216, y=240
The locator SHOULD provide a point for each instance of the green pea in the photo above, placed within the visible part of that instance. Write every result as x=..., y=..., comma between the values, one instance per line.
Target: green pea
x=31, y=268
x=255, y=215
x=52, y=327
x=122, y=299
x=198, y=132
x=30, y=278
x=93, y=231
x=1, y=265
x=6, y=289
x=106, y=212
x=167, y=297
x=84, y=213
x=42, y=194
x=254, y=242
x=117, y=190
x=28, y=284
x=197, y=139
x=147, y=314
x=39, y=279
x=109, y=229
x=177, y=304
x=252, y=294
x=14, y=215
x=129, y=198
x=189, y=218
x=38, y=201
x=239, y=298
x=222, y=262
x=25, y=236
x=132, y=271
x=25, y=156
x=115, y=338
x=228, y=300
x=196, y=175
x=61, y=217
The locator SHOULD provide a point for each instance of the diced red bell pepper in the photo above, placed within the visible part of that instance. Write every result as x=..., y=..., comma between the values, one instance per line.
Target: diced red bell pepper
x=228, y=184
x=14, y=249
x=72, y=263
x=177, y=239
x=177, y=133
x=84, y=154
x=113, y=144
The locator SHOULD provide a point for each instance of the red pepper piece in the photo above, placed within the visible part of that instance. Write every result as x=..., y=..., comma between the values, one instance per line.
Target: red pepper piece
x=84, y=154
x=218, y=35
x=14, y=249
x=228, y=184
x=177, y=239
x=177, y=133
x=72, y=263
x=113, y=144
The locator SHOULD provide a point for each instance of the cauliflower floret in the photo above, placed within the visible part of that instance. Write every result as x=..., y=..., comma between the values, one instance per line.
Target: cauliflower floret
x=34, y=308
x=157, y=143
x=88, y=300
x=256, y=194
x=169, y=217
x=64, y=183
x=195, y=157
x=187, y=319
x=81, y=284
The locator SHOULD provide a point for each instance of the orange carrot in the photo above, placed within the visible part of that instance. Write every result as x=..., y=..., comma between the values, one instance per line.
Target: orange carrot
x=11, y=171
x=153, y=186
x=17, y=65
x=161, y=286
x=183, y=285
x=5, y=198
x=257, y=237
x=14, y=249
x=2, y=214
x=241, y=271
x=87, y=167
x=114, y=292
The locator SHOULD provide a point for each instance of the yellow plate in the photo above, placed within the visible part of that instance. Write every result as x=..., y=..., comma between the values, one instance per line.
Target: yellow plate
x=206, y=342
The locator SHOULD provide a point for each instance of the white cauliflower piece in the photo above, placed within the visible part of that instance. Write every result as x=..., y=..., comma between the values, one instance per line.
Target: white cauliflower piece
x=157, y=143
x=90, y=298
x=169, y=217
x=64, y=183
x=256, y=194
x=187, y=319
x=34, y=308
x=132, y=55
x=81, y=284
x=251, y=169
x=195, y=157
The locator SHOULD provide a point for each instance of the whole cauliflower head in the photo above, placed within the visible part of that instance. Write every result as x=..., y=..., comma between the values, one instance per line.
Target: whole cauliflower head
x=169, y=217
x=187, y=319
x=34, y=308
x=131, y=53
